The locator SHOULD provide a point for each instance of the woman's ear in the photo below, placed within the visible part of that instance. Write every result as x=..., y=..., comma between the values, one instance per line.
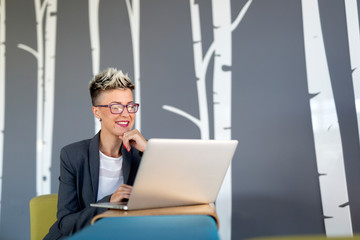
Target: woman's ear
x=96, y=112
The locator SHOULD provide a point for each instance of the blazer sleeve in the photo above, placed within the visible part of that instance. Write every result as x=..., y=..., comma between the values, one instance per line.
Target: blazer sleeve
x=71, y=215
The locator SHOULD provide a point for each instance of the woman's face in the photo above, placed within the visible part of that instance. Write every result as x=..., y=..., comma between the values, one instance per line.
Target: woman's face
x=115, y=124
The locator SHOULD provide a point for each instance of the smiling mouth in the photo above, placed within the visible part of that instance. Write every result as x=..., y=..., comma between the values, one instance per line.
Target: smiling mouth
x=123, y=123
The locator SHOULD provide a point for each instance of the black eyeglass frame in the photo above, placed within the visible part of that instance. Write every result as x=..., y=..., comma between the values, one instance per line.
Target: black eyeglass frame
x=124, y=106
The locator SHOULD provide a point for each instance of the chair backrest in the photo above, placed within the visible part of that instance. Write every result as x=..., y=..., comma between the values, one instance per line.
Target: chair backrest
x=42, y=215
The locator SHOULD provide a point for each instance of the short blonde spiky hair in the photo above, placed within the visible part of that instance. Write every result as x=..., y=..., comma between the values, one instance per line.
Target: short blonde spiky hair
x=109, y=79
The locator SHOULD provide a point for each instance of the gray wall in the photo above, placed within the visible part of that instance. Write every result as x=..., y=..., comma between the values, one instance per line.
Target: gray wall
x=275, y=179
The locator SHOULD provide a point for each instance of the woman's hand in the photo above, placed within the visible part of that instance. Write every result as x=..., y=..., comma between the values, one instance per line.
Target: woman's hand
x=123, y=192
x=134, y=139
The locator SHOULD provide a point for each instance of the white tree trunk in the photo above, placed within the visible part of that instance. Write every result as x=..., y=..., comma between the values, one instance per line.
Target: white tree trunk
x=95, y=44
x=328, y=146
x=352, y=20
x=134, y=19
x=223, y=27
x=49, y=94
x=2, y=88
x=221, y=11
x=201, y=64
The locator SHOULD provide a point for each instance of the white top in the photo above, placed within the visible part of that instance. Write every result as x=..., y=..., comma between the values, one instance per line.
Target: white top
x=110, y=175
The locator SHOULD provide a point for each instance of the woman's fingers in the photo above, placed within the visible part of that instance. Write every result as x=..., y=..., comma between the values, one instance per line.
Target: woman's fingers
x=134, y=139
x=123, y=192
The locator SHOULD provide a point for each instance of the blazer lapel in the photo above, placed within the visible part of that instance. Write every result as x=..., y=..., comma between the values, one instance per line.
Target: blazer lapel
x=94, y=163
x=126, y=166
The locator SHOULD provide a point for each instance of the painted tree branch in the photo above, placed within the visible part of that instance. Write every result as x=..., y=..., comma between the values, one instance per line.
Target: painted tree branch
x=182, y=113
x=241, y=15
x=129, y=8
x=207, y=57
x=29, y=50
x=43, y=8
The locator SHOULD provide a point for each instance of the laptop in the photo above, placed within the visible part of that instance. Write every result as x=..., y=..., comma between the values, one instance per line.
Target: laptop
x=178, y=172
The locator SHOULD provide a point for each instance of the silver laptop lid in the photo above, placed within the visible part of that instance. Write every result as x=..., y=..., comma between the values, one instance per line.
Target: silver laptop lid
x=176, y=172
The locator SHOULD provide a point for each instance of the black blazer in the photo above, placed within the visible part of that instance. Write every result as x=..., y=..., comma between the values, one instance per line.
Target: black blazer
x=79, y=181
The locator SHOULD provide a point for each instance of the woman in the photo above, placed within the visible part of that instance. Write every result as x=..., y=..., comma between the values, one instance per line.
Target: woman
x=101, y=169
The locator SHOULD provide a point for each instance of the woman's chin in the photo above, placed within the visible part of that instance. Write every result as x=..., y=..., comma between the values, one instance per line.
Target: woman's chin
x=122, y=132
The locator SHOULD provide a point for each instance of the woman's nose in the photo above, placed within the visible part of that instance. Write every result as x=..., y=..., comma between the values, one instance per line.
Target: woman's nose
x=125, y=112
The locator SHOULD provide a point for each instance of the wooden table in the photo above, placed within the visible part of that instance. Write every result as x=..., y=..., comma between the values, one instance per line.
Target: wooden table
x=201, y=209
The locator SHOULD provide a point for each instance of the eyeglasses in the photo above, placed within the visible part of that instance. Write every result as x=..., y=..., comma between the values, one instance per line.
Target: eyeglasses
x=117, y=108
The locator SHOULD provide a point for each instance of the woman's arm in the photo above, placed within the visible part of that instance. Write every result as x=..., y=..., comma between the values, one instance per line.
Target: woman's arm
x=71, y=215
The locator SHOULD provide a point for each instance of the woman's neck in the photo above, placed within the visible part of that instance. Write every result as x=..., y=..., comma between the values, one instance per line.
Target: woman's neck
x=110, y=146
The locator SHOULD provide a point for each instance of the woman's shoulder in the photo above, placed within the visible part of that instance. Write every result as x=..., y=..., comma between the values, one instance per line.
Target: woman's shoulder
x=82, y=148
x=76, y=153
x=78, y=146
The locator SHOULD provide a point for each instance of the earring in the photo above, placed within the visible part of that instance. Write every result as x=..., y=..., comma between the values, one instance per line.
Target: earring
x=100, y=119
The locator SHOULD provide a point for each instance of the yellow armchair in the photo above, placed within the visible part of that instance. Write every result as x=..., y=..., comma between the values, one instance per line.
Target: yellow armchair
x=42, y=215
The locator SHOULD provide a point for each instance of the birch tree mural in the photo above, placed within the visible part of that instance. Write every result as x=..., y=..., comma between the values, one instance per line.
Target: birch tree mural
x=221, y=48
x=2, y=88
x=45, y=13
x=352, y=20
x=95, y=43
x=328, y=146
